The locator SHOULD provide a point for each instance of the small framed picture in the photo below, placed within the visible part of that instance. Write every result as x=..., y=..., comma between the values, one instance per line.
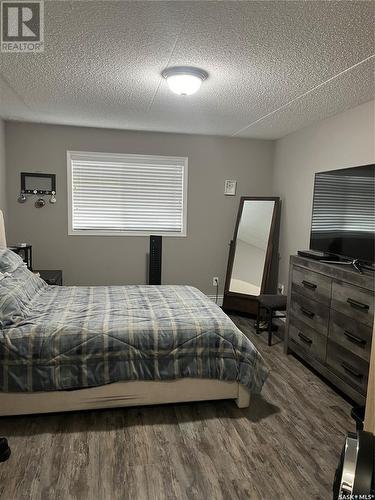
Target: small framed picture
x=230, y=188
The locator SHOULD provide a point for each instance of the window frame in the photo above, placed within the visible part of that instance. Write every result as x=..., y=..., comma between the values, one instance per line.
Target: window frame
x=112, y=156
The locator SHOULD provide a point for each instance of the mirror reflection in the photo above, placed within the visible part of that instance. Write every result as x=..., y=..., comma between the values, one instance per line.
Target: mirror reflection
x=251, y=247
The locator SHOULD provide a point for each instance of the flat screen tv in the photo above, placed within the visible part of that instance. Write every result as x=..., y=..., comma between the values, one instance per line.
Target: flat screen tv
x=343, y=216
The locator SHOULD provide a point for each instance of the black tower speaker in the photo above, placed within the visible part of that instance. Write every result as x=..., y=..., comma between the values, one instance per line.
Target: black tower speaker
x=154, y=271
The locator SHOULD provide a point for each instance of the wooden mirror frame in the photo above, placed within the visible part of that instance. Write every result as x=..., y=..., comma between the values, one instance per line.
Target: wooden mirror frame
x=244, y=303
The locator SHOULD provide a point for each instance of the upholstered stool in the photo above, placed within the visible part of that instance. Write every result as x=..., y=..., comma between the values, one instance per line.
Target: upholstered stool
x=271, y=303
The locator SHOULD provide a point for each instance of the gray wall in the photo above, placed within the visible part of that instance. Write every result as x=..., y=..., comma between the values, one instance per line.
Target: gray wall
x=2, y=167
x=119, y=260
x=344, y=140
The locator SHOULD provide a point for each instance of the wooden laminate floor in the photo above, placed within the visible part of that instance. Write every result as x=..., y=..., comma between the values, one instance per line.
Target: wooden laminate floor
x=285, y=445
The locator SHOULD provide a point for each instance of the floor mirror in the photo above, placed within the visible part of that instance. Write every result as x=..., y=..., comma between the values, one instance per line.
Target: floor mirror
x=253, y=256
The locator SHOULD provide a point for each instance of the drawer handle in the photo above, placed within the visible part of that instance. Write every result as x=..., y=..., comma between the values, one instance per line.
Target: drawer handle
x=354, y=338
x=307, y=313
x=307, y=284
x=304, y=338
x=358, y=305
x=348, y=368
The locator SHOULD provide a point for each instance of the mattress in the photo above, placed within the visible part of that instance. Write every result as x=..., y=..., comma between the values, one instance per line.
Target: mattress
x=77, y=337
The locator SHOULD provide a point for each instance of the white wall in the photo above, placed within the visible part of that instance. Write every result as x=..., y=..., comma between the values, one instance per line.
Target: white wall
x=2, y=167
x=344, y=140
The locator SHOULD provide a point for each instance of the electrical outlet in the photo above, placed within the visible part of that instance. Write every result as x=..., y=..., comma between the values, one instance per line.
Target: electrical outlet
x=215, y=281
x=281, y=288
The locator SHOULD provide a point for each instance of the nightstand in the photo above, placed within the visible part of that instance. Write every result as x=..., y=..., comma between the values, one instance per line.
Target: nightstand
x=53, y=277
x=25, y=252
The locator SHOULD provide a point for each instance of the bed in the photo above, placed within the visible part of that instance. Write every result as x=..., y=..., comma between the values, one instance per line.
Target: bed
x=74, y=348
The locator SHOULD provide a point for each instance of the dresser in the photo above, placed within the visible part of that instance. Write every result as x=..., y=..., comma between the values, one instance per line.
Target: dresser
x=330, y=317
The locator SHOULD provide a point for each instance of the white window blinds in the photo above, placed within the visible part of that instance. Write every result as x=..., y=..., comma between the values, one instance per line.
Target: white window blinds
x=127, y=194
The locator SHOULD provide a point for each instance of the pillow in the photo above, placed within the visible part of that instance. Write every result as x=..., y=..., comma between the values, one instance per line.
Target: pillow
x=17, y=289
x=25, y=283
x=11, y=308
x=9, y=260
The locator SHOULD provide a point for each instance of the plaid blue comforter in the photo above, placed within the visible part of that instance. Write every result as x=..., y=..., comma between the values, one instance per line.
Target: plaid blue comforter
x=75, y=337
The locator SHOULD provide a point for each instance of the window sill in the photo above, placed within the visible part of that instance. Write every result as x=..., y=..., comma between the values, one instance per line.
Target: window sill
x=90, y=232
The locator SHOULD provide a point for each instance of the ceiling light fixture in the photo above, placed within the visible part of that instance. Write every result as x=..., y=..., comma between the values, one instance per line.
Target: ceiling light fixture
x=184, y=80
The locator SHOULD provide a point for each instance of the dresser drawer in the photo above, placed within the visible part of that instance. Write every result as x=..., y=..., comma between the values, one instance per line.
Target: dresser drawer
x=354, y=336
x=312, y=342
x=353, y=301
x=310, y=284
x=313, y=314
x=350, y=368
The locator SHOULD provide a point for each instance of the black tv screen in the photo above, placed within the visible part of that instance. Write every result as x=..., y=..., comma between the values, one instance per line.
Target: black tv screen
x=343, y=217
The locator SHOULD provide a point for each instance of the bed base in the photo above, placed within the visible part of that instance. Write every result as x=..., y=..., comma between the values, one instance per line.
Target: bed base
x=120, y=394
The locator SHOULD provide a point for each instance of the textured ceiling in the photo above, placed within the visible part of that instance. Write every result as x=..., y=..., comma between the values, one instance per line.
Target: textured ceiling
x=273, y=67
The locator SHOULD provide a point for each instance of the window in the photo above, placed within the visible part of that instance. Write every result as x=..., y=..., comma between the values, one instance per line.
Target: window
x=120, y=194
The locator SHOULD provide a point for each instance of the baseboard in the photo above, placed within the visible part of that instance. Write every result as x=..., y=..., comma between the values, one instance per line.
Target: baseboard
x=219, y=299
